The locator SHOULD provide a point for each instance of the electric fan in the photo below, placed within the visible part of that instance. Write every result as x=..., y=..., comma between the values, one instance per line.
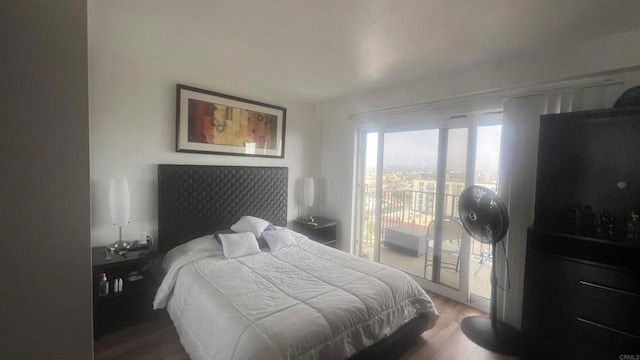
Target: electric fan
x=484, y=216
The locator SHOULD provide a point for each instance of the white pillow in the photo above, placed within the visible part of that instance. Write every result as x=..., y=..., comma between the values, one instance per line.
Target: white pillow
x=250, y=224
x=277, y=239
x=239, y=244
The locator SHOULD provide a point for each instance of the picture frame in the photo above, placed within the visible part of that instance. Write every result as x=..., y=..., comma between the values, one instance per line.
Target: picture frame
x=214, y=123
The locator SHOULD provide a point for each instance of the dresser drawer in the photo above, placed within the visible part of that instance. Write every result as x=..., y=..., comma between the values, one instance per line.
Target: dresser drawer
x=565, y=277
x=558, y=343
x=606, y=336
x=576, y=290
x=606, y=285
x=578, y=310
x=610, y=306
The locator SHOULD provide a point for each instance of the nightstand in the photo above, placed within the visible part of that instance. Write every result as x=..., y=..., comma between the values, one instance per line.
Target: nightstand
x=133, y=304
x=322, y=230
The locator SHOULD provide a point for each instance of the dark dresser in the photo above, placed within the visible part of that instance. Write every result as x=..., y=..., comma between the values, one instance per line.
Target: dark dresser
x=582, y=275
x=581, y=298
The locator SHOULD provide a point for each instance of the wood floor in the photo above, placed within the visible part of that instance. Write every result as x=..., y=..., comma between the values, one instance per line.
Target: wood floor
x=157, y=340
x=445, y=341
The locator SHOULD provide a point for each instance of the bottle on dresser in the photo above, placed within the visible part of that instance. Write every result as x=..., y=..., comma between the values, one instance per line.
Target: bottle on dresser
x=103, y=286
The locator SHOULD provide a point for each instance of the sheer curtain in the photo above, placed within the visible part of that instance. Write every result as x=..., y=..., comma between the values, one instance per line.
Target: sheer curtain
x=519, y=152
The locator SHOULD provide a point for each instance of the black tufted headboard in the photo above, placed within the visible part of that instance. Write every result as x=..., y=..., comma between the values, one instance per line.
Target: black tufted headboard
x=196, y=200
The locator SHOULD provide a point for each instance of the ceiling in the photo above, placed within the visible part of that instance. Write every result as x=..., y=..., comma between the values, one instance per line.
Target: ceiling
x=317, y=50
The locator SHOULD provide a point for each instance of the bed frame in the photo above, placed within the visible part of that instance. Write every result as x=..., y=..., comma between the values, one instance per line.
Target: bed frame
x=196, y=200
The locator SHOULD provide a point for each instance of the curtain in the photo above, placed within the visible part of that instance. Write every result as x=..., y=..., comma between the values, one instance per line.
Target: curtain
x=518, y=166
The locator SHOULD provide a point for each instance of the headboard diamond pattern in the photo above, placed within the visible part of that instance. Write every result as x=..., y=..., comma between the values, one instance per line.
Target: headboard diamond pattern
x=196, y=200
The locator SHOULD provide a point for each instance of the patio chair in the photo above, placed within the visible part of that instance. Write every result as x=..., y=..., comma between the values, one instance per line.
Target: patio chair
x=485, y=256
x=452, y=233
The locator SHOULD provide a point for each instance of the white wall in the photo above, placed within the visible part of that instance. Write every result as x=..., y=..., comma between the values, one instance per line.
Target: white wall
x=45, y=261
x=597, y=55
x=132, y=109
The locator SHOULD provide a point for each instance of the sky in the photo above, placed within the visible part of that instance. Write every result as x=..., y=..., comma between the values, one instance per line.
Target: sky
x=419, y=149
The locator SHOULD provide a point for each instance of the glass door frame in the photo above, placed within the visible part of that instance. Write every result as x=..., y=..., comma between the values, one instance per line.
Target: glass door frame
x=471, y=122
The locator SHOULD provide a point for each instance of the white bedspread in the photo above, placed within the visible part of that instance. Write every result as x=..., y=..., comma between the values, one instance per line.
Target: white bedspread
x=301, y=302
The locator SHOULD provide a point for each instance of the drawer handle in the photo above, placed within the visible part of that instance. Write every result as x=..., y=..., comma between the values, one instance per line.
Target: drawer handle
x=582, y=282
x=608, y=328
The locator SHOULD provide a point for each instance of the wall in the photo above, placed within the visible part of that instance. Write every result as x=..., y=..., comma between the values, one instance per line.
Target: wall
x=45, y=262
x=132, y=127
x=572, y=61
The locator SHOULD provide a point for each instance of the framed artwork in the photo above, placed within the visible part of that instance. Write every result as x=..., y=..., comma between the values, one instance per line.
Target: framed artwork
x=209, y=122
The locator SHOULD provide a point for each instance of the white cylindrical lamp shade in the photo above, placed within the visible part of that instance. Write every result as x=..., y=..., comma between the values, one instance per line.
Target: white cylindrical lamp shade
x=119, y=201
x=309, y=191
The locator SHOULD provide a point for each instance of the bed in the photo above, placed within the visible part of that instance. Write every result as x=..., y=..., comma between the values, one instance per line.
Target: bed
x=304, y=301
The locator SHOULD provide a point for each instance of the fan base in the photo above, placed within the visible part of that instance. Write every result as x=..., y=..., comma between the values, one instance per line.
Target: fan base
x=503, y=339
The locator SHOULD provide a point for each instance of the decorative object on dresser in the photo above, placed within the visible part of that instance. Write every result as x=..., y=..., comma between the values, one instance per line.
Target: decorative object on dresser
x=123, y=289
x=582, y=275
x=484, y=216
x=120, y=205
x=322, y=230
x=210, y=122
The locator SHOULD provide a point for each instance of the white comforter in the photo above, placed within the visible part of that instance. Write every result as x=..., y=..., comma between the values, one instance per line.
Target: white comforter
x=301, y=302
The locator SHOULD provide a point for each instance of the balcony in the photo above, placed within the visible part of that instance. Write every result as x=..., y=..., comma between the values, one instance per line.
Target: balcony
x=405, y=216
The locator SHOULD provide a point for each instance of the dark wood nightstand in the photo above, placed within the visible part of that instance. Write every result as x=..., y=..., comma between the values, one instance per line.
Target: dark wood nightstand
x=133, y=304
x=322, y=230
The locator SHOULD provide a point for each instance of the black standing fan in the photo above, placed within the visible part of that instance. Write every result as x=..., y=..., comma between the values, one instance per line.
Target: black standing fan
x=484, y=216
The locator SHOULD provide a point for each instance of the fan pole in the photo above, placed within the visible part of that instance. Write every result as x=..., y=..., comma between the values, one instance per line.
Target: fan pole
x=491, y=333
x=493, y=308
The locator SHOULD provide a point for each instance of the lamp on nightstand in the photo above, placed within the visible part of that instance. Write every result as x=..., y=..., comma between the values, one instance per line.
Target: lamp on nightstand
x=120, y=204
x=309, y=195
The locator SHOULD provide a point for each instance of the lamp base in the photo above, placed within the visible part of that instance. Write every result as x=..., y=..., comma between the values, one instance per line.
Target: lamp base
x=308, y=219
x=121, y=245
x=503, y=339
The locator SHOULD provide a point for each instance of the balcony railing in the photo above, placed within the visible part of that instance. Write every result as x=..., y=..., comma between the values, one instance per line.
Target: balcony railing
x=403, y=207
x=417, y=209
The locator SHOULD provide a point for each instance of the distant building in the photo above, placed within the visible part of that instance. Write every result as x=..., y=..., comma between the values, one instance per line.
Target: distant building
x=424, y=194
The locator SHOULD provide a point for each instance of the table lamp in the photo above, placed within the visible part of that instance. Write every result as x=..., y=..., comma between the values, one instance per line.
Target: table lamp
x=120, y=205
x=309, y=194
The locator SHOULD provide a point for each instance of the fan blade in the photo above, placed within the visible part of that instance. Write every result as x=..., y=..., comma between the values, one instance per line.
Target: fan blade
x=483, y=214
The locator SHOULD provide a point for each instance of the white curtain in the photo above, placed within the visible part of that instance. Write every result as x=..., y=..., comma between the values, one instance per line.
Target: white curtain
x=519, y=158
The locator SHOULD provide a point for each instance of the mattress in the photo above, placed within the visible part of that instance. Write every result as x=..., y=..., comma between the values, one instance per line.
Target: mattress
x=306, y=301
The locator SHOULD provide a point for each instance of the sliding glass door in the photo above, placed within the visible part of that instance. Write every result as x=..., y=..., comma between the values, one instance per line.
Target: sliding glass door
x=409, y=158
x=409, y=181
x=487, y=156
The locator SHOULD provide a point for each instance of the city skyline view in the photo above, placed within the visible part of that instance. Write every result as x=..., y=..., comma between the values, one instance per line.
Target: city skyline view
x=418, y=150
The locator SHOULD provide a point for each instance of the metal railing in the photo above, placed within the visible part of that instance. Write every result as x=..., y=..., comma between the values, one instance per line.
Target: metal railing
x=406, y=207
x=403, y=207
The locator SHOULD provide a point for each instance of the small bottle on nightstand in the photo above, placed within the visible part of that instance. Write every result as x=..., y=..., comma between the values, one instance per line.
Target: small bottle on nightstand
x=103, y=286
